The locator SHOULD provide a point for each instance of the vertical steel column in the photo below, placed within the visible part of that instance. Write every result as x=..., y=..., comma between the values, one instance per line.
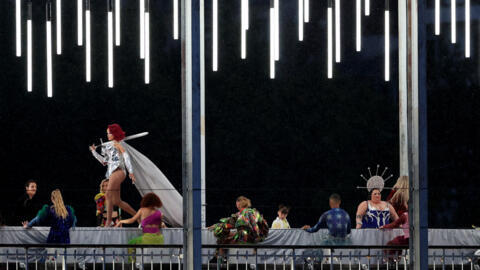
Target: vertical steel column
x=402, y=86
x=417, y=130
x=191, y=133
x=202, y=112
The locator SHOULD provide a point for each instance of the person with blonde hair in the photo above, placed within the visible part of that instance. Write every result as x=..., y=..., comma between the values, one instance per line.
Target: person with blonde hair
x=59, y=216
x=247, y=226
x=399, y=195
x=250, y=225
x=101, y=212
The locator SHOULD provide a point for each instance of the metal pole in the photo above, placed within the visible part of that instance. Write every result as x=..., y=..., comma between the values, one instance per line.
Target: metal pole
x=402, y=86
x=202, y=111
x=417, y=132
x=191, y=141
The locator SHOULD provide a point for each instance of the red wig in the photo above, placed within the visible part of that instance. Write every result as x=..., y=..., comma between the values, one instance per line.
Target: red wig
x=116, y=131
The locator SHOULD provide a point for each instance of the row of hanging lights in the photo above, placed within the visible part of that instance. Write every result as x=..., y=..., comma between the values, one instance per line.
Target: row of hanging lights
x=114, y=32
x=84, y=12
x=453, y=25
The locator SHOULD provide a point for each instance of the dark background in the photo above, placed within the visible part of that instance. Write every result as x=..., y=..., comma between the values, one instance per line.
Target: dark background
x=293, y=140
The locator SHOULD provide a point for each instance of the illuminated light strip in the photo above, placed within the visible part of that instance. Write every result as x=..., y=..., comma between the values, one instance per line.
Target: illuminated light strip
x=142, y=29
x=272, y=40
x=49, y=50
x=147, y=42
x=59, y=26
x=277, y=29
x=215, y=36
x=337, y=31
x=453, y=19
x=387, y=45
x=175, y=19
x=88, y=50
x=29, y=46
x=467, y=28
x=330, y=40
x=437, y=17
x=79, y=23
x=118, y=8
x=247, y=15
x=306, y=7
x=18, y=26
x=300, y=20
x=367, y=7
x=358, y=26
x=110, y=46
x=243, y=26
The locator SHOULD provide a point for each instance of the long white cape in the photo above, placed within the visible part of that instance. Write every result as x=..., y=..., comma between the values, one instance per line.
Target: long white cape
x=149, y=178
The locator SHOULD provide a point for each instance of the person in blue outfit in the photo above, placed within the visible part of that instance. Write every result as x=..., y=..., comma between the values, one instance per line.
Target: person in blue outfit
x=338, y=223
x=59, y=217
x=336, y=220
x=375, y=213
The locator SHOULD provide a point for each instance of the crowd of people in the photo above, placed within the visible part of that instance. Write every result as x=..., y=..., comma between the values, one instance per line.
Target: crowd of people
x=247, y=225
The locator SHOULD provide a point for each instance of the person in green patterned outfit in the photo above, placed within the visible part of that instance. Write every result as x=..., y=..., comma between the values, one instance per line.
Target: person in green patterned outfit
x=250, y=226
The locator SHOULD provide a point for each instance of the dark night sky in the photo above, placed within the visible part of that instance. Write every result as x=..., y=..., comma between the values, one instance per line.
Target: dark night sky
x=294, y=140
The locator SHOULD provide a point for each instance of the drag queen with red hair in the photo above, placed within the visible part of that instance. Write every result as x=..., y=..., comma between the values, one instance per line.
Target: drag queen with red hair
x=115, y=156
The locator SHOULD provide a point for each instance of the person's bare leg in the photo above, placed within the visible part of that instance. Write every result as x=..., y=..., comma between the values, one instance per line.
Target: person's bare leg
x=109, y=204
x=125, y=206
x=116, y=179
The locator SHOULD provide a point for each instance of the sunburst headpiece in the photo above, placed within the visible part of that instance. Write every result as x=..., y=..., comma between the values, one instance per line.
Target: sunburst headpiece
x=376, y=181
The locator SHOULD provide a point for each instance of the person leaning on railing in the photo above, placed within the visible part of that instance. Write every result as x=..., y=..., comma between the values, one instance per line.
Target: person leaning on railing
x=336, y=220
x=401, y=222
x=249, y=224
x=60, y=218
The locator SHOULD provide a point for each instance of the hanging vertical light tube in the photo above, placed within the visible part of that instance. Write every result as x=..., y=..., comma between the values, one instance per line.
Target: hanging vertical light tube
x=58, y=18
x=387, y=40
x=147, y=41
x=276, y=8
x=88, y=48
x=247, y=15
x=244, y=27
x=359, y=25
x=29, y=45
x=367, y=7
x=437, y=17
x=79, y=23
x=329, y=40
x=306, y=8
x=175, y=19
x=142, y=29
x=49, y=48
x=118, y=8
x=18, y=26
x=272, y=39
x=300, y=20
x=215, y=35
x=337, y=31
x=110, y=43
x=467, y=28
x=453, y=19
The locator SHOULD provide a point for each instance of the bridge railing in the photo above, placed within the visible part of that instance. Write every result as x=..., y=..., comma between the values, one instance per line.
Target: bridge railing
x=230, y=257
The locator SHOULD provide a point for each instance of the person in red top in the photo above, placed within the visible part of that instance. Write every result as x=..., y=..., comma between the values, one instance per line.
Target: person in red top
x=398, y=197
x=401, y=222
